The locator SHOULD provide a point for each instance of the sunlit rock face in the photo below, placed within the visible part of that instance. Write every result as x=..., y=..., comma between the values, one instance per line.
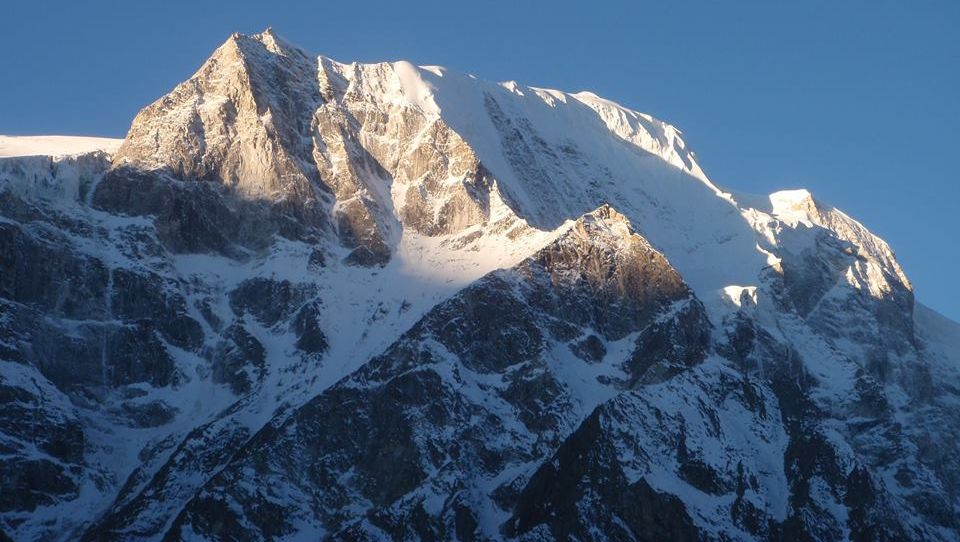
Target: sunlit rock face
x=269, y=122
x=306, y=299
x=238, y=121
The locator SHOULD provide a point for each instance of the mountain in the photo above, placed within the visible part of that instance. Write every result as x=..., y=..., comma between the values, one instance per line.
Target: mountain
x=309, y=300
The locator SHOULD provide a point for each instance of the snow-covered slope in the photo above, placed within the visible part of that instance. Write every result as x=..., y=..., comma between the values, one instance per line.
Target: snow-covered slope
x=55, y=145
x=309, y=299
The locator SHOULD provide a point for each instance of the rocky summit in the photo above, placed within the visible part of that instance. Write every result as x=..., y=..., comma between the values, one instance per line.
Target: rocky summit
x=310, y=300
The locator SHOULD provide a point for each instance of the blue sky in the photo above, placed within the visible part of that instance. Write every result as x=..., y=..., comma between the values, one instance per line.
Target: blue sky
x=855, y=100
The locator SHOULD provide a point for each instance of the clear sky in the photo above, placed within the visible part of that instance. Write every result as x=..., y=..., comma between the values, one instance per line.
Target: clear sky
x=859, y=101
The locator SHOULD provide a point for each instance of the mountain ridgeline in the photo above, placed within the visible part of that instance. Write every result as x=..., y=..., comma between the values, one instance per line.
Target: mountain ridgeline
x=309, y=300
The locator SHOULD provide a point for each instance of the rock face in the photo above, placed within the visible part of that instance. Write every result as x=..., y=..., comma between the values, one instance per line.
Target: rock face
x=315, y=300
x=481, y=387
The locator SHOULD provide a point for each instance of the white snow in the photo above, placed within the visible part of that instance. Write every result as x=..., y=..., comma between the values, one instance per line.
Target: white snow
x=793, y=206
x=415, y=89
x=53, y=145
x=941, y=339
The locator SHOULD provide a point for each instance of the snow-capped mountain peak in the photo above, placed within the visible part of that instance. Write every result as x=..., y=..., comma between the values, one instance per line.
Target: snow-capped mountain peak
x=325, y=300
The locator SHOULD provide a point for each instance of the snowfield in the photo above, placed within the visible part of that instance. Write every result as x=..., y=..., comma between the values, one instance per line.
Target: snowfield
x=54, y=145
